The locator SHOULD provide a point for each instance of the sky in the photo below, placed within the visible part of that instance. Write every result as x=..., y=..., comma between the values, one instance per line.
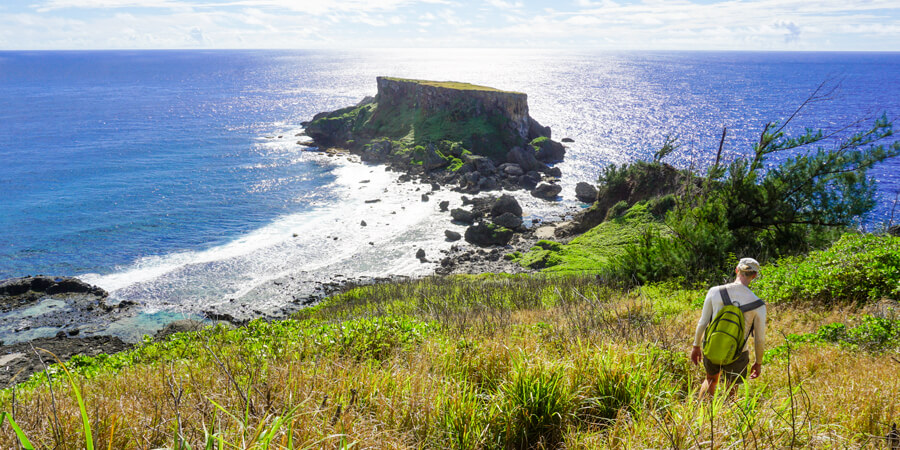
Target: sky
x=790, y=25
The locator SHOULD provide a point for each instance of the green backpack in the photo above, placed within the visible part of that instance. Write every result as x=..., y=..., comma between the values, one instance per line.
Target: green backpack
x=724, y=336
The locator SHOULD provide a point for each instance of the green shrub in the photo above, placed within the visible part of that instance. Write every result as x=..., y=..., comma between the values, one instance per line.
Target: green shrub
x=857, y=268
x=535, y=405
x=873, y=334
x=751, y=207
x=616, y=210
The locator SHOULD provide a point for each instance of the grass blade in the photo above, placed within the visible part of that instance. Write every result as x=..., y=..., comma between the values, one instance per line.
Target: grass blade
x=23, y=440
x=85, y=421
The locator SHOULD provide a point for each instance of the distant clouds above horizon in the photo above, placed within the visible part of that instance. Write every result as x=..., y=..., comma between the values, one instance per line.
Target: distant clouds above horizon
x=847, y=25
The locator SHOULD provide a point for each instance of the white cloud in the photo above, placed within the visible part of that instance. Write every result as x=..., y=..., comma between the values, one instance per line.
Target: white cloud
x=505, y=4
x=682, y=24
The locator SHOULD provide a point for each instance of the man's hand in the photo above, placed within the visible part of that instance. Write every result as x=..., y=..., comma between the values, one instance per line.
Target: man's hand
x=696, y=354
x=754, y=371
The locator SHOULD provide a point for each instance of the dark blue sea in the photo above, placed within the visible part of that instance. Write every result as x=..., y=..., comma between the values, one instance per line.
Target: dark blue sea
x=174, y=178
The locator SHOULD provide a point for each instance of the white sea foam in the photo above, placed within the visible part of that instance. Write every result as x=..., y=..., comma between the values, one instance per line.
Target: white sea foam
x=329, y=239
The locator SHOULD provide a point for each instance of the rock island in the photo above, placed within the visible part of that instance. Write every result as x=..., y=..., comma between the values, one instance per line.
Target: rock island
x=473, y=137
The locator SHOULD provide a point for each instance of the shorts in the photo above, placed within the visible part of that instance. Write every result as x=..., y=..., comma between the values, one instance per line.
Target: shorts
x=735, y=372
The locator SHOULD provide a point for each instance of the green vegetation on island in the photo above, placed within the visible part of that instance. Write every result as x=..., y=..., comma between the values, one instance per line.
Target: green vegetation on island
x=444, y=130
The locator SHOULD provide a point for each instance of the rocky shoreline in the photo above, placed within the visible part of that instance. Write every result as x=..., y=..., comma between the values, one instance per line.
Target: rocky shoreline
x=495, y=224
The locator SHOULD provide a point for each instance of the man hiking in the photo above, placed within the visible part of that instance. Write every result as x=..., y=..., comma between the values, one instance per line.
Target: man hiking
x=722, y=338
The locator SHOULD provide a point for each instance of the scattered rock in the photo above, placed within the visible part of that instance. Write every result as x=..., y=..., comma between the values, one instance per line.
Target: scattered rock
x=512, y=170
x=530, y=180
x=420, y=254
x=554, y=172
x=568, y=140
x=506, y=204
x=362, y=224
x=508, y=220
x=452, y=236
x=444, y=205
x=433, y=159
x=546, y=191
x=484, y=234
x=585, y=192
x=525, y=159
x=550, y=151
x=374, y=200
x=425, y=197
x=461, y=215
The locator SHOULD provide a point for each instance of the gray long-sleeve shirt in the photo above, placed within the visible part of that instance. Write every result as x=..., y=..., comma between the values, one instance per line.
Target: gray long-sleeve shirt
x=740, y=295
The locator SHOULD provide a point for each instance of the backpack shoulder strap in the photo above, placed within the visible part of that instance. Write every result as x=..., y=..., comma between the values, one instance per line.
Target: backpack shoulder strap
x=752, y=305
x=726, y=299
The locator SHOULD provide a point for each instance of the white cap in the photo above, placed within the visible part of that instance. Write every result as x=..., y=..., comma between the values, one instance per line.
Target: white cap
x=748, y=265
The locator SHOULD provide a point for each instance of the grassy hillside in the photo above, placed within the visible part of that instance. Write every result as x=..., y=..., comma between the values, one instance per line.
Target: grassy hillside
x=491, y=361
x=595, y=250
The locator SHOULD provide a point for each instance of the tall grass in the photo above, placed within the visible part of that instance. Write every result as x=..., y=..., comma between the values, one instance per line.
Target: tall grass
x=464, y=362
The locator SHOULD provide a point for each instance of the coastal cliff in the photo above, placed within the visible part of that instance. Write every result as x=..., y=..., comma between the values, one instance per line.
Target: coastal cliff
x=478, y=137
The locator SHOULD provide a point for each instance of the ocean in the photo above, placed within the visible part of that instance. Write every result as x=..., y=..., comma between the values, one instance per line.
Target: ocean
x=174, y=178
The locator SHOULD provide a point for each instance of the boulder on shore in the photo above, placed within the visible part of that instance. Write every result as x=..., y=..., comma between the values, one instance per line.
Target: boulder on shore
x=525, y=159
x=586, y=192
x=452, y=236
x=506, y=204
x=549, y=151
x=508, y=220
x=485, y=234
x=462, y=215
x=546, y=191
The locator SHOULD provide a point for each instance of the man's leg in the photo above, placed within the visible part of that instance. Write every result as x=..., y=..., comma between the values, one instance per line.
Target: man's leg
x=709, y=385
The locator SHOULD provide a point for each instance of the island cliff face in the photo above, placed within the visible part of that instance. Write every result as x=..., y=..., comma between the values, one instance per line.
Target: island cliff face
x=458, y=100
x=479, y=137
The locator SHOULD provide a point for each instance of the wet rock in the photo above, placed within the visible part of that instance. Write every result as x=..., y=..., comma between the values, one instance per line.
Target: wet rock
x=530, y=180
x=425, y=197
x=377, y=151
x=362, y=224
x=488, y=184
x=420, y=253
x=444, y=205
x=462, y=215
x=554, y=172
x=536, y=130
x=585, y=192
x=374, y=200
x=482, y=164
x=511, y=170
x=452, y=236
x=550, y=151
x=568, y=140
x=506, y=204
x=434, y=160
x=525, y=159
x=43, y=285
x=508, y=220
x=485, y=234
x=546, y=191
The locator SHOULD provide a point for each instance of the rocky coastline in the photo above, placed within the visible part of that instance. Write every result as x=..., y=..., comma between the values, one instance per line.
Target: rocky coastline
x=507, y=151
